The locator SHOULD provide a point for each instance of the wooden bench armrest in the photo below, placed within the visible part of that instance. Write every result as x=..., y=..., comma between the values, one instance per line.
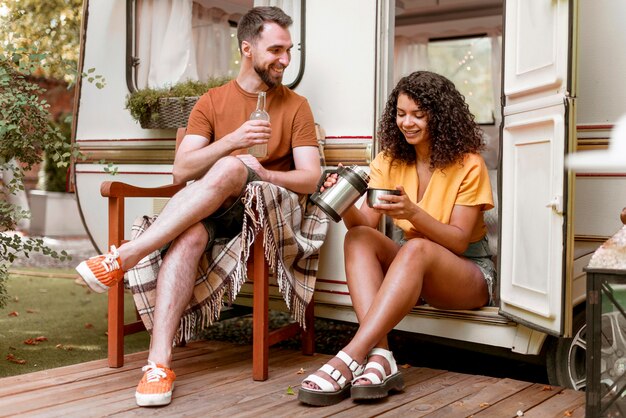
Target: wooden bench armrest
x=119, y=189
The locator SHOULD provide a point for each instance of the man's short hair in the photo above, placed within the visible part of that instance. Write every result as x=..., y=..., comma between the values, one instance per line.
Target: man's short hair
x=250, y=26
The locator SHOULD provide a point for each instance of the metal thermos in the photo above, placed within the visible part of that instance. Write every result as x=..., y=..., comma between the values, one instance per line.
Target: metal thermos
x=335, y=200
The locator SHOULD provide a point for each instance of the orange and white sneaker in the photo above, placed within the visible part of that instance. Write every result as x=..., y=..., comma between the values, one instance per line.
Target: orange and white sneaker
x=156, y=386
x=102, y=271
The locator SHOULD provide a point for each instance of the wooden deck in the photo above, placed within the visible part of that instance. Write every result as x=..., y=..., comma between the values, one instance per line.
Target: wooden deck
x=214, y=380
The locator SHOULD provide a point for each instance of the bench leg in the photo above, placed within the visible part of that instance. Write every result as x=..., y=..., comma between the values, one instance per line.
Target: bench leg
x=308, y=336
x=116, y=326
x=260, y=312
x=116, y=293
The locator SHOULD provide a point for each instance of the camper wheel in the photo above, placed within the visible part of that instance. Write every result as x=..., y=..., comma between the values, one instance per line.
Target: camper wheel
x=565, y=358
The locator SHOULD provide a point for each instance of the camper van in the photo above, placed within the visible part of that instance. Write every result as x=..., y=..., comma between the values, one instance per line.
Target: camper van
x=544, y=78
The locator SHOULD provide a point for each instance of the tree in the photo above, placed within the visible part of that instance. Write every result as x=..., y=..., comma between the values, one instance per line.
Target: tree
x=30, y=27
x=52, y=26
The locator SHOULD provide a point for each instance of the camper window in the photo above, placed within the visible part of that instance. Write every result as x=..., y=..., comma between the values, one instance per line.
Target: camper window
x=171, y=41
x=468, y=61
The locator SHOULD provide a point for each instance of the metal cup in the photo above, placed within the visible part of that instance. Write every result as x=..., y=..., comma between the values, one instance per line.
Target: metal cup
x=374, y=194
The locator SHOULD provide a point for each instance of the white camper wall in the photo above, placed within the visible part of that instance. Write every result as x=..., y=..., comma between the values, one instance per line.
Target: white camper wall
x=101, y=112
x=338, y=80
x=340, y=83
x=601, y=62
x=338, y=77
x=601, y=100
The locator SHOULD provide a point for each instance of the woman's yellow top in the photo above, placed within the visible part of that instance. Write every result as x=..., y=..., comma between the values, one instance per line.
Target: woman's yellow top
x=465, y=183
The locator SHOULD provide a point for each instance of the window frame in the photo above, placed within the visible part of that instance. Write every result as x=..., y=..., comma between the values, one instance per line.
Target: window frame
x=132, y=61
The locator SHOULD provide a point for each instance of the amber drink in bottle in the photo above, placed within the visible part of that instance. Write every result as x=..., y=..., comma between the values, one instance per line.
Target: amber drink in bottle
x=259, y=151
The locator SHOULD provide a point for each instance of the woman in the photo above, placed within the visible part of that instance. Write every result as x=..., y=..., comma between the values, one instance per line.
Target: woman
x=430, y=146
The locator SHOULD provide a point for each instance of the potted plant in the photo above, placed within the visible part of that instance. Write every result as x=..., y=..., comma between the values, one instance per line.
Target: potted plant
x=54, y=212
x=168, y=108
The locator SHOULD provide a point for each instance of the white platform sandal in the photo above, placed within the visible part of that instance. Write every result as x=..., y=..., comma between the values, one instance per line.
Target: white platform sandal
x=327, y=394
x=378, y=388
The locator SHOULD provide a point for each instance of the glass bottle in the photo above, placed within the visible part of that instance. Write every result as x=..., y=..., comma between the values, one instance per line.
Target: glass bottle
x=259, y=151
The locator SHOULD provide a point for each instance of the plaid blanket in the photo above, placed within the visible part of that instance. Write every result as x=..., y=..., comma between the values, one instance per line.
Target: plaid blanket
x=293, y=232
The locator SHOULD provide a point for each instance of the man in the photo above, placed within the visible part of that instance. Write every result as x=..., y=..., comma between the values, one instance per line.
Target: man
x=214, y=154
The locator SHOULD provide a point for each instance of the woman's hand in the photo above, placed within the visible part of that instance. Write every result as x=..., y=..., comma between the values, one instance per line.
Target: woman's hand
x=331, y=179
x=396, y=206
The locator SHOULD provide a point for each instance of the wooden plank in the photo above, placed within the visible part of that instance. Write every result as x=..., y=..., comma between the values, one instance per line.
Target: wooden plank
x=199, y=376
x=214, y=379
x=98, y=385
x=53, y=377
x=485, y=397
x=578, y=412
x=97, y=364
x=559, y=405
x=412, y=377
x=425, y=405
x=233, y=397
x=411, y=392
x=521, y=401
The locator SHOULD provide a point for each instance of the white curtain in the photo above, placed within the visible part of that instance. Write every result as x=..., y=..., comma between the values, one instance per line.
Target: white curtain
x=410, y=54
x=293, y=9
x=211, y=36
x=287, y=6
x=178, y=40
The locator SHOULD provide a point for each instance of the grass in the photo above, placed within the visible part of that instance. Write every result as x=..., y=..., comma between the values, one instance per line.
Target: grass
x=71, y=318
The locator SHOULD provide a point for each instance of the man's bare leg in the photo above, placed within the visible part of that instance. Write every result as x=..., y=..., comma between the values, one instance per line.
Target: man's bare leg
x=222, y=183
x=174, y=289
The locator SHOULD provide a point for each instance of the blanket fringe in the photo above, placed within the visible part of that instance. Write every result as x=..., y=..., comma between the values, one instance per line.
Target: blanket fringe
x=282, y=219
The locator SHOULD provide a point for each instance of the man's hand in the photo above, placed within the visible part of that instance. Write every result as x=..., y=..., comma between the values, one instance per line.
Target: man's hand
x=254, y=164
x=251, y=132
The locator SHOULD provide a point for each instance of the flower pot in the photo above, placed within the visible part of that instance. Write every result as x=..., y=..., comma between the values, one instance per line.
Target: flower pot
x=54, y=214
x=172, y=113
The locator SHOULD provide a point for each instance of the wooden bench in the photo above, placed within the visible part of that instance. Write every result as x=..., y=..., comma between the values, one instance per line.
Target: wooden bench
x=258, y=272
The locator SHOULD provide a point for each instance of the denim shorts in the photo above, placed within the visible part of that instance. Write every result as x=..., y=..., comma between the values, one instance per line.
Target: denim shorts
x=479, y=254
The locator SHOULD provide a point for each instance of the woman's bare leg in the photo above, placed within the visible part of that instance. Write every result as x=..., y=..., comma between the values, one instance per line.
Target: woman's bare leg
x=367, y=254
x=420, y=267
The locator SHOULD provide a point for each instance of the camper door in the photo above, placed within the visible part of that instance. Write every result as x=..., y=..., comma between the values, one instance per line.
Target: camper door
x=537, y=110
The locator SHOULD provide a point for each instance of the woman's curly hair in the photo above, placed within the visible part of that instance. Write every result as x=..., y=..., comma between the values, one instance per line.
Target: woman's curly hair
x=453, y=131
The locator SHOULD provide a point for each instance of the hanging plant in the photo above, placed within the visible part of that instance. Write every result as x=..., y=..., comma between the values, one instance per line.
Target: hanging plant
x=168, y=108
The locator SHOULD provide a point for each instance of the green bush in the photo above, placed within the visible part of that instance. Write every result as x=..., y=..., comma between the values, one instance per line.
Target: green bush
x=144, y=104
x=25, y=132
x=53, y=178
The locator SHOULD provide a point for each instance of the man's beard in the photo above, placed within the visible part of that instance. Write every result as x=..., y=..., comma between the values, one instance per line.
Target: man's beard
x=265, y=76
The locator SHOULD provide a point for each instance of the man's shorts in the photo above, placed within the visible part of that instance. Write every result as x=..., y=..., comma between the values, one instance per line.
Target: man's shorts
x=225, y=223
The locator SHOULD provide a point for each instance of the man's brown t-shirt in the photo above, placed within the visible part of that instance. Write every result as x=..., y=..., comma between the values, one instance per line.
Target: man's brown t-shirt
x=224, y=109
